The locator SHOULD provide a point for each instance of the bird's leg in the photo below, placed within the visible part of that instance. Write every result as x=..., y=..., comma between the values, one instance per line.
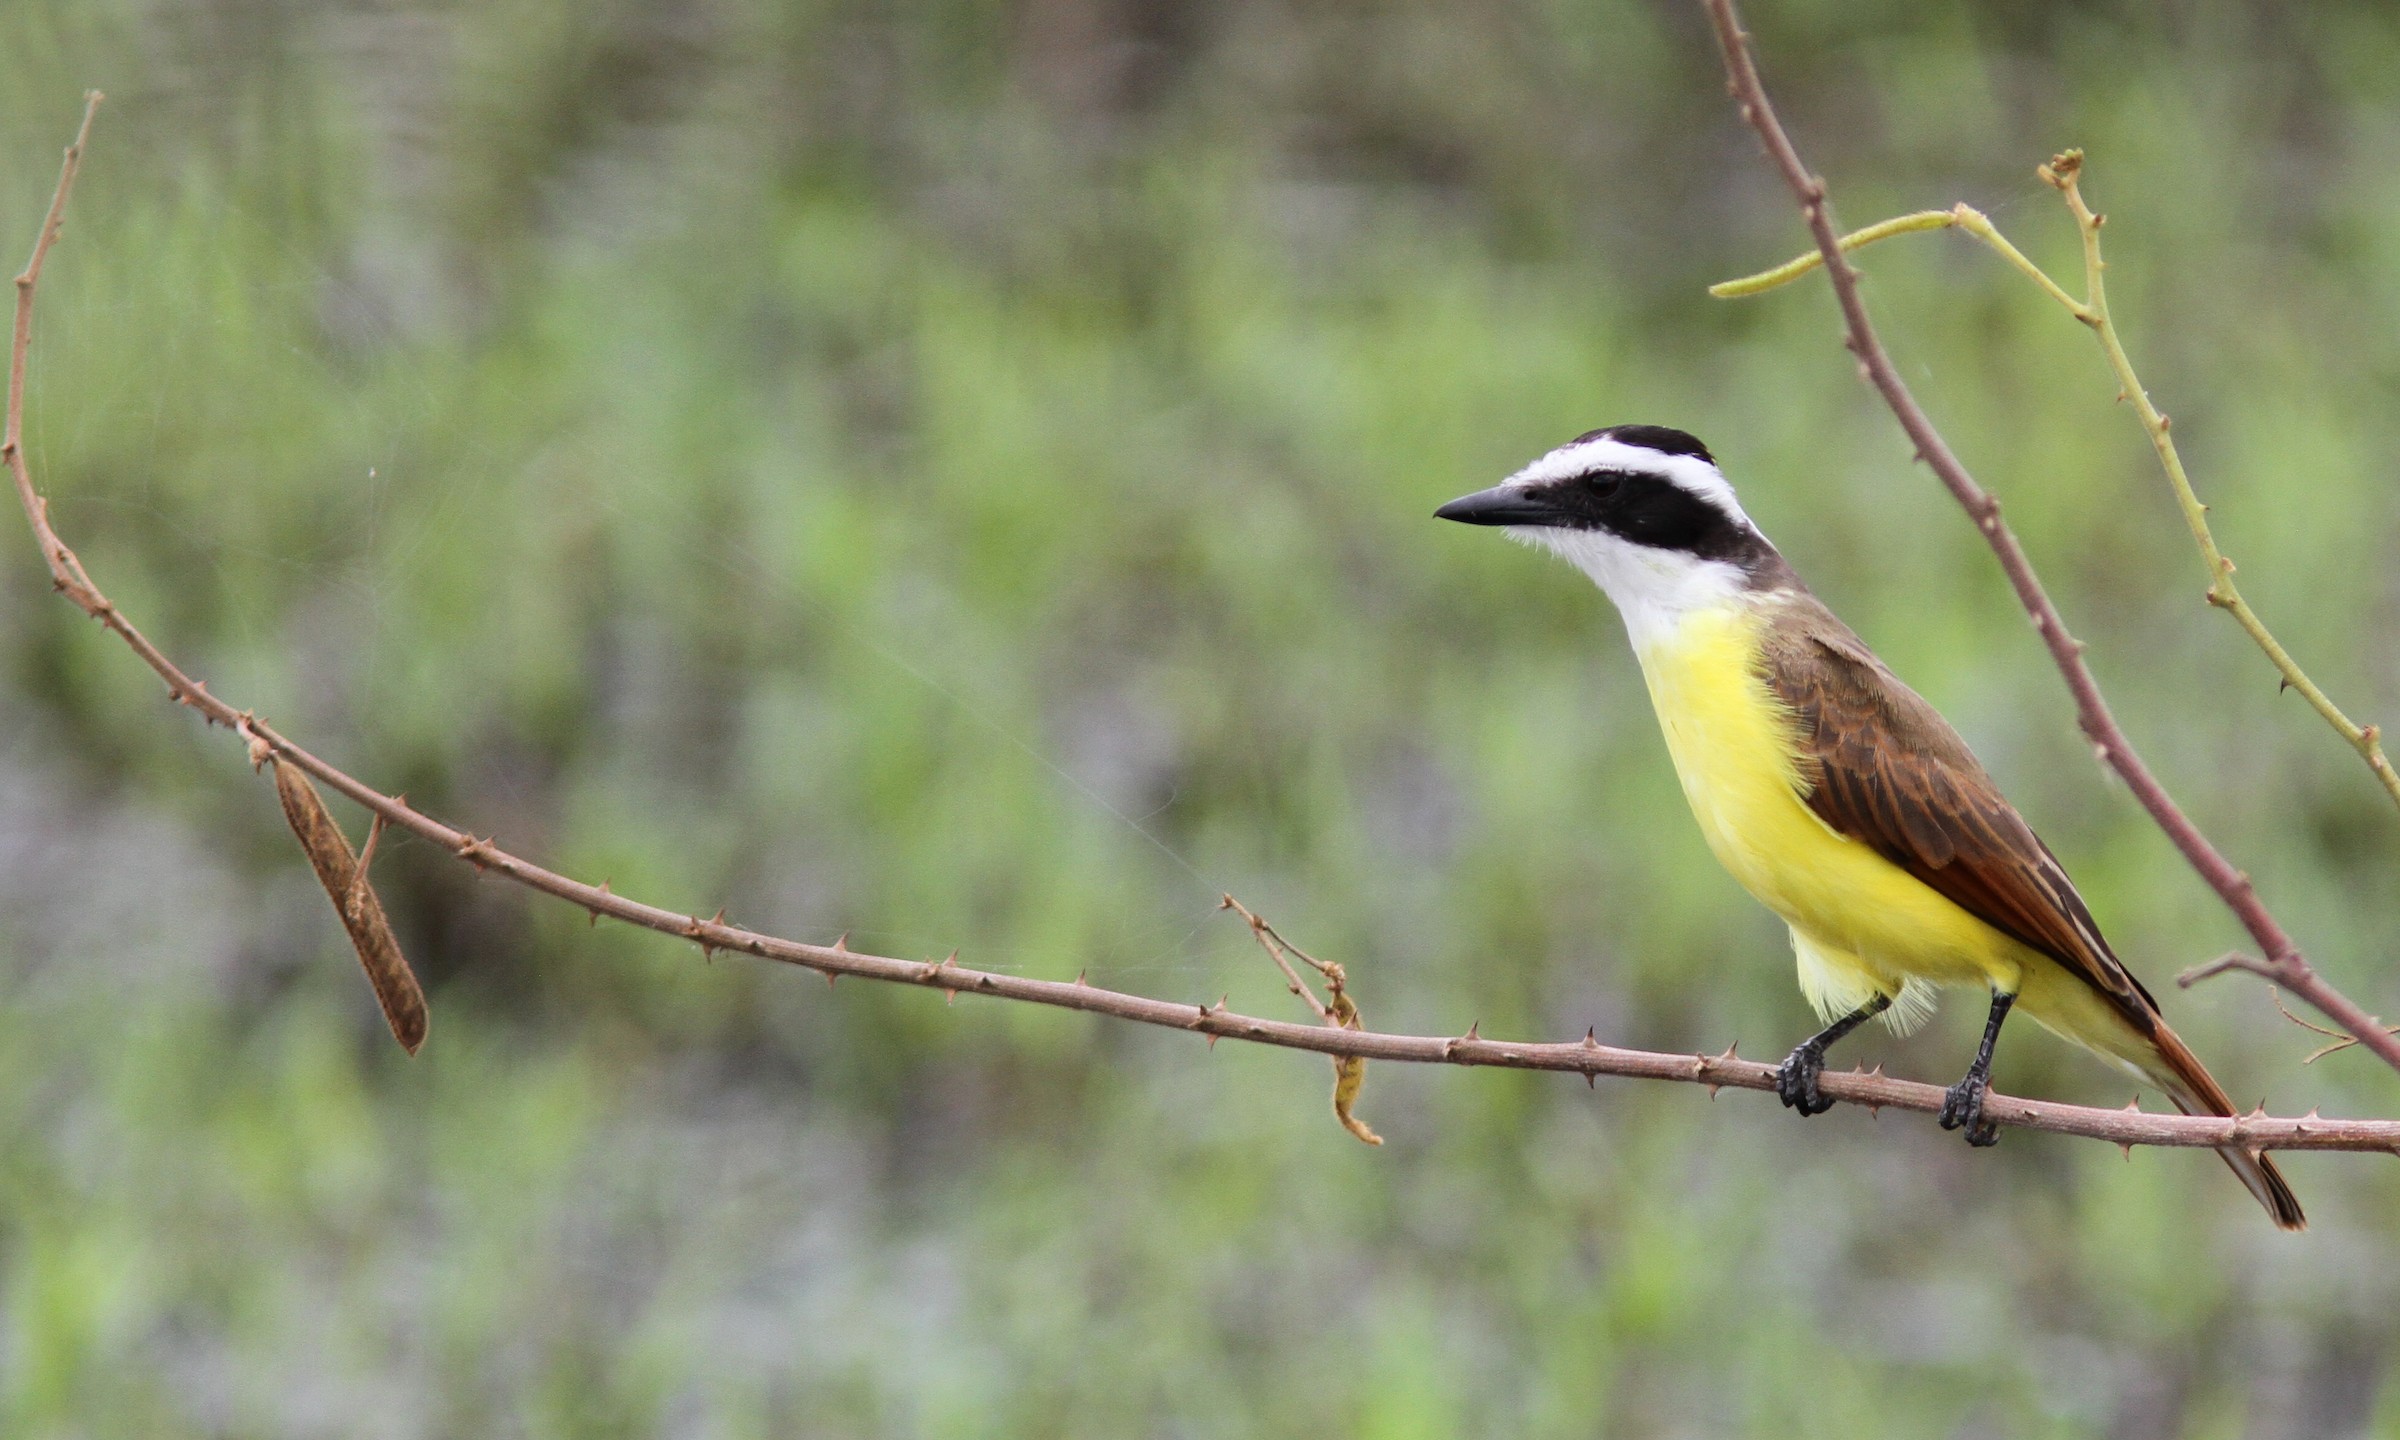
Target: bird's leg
x=1963, y=1105
x=1796, y=1082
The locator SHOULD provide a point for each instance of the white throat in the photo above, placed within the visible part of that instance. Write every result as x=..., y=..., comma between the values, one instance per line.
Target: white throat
x=1655, y=590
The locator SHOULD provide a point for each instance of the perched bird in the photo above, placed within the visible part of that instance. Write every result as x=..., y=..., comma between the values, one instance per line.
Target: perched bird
x=1834, y=793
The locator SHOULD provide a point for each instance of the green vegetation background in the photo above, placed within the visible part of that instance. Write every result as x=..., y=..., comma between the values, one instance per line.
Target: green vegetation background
x=958, y=473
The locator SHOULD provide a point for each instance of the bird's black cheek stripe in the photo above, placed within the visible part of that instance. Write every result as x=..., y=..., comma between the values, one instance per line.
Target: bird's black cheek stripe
x=1662, y=514
x=1653, y=511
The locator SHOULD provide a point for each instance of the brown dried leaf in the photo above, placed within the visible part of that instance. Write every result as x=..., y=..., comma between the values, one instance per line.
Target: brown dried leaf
x=1349, y=1071
x=1349, y=1075
x=329, y=853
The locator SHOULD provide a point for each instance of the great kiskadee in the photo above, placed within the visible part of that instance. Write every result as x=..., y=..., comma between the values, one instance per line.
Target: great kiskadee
x=1834, y=793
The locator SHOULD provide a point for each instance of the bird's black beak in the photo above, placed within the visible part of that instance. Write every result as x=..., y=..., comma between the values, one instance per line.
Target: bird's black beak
x=1500, y=505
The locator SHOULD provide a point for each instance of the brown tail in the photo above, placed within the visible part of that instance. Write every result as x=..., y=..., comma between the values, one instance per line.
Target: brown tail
x=2196, y=1092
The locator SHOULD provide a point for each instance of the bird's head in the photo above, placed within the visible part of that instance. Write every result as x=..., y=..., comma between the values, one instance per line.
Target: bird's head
x=1644, y=511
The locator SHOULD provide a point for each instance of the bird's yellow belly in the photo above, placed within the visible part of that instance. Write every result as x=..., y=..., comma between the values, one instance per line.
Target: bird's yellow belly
x=1736, y=751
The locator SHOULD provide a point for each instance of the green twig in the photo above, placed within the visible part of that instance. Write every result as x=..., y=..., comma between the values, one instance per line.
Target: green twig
x=1791, y=270
x=2064, y=172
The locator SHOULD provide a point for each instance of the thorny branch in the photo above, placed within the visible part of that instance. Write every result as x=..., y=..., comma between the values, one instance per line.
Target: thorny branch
x=1340, y=1038
x=2283, y=962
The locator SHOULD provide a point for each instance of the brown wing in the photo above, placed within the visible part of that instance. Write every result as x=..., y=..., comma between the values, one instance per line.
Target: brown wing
x=1885, y=768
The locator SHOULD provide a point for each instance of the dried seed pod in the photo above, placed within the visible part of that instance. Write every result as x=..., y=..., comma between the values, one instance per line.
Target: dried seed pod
x=337, y=867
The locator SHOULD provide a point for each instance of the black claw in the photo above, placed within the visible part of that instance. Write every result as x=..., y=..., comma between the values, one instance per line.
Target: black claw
x=1796, y=1081
x=1962, y=1104
x=1962, y=1109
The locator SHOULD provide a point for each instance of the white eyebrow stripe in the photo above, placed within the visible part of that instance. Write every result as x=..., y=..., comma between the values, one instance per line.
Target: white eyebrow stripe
x=1688, y=471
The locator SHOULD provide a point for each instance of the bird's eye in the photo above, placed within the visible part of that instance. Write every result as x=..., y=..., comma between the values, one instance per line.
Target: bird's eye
x=1603, y=485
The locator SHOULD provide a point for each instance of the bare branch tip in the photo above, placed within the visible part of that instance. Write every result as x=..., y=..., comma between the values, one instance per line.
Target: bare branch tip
x=2232, y=960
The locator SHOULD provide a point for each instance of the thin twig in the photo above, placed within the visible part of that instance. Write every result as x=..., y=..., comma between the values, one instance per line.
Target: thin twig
x=1349, y=1071
x=1961, y=216
x=2234, y=960
x=1586, y=1057
x=1277, y=950
x=354, y=900
x=2289, y=967
x=1800, y=265
x=2064, y=173
x=2340, y=1041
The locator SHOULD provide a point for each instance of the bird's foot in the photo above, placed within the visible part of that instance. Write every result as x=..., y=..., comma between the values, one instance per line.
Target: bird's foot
x=1962, y=1109
x=1796, y=1080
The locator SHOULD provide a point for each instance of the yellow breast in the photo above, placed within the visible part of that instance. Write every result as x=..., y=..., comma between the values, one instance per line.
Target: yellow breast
x=1736, y=750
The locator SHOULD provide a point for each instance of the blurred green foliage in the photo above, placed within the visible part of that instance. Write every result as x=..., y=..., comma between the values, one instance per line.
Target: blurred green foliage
x=959, y=473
